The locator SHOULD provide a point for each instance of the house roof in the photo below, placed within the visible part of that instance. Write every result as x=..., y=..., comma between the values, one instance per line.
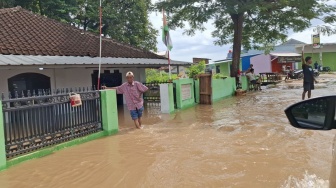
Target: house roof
x=286, y=47
x=222, y=61
x=163, y=54
x=322, y=44
x=292, y=42
x=286, y=54
x=25, y=33
x=19, y=60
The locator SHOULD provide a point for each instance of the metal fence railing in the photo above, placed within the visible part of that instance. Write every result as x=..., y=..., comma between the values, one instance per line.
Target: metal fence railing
x=153, y=93
x=41, y=119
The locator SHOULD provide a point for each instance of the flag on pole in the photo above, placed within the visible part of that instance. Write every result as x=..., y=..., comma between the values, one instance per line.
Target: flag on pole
x=165, y=33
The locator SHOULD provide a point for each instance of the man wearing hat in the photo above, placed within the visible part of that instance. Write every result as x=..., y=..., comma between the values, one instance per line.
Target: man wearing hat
x=132, y=91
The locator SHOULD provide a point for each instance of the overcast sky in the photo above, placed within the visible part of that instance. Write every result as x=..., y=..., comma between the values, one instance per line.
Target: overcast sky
x=201, y=45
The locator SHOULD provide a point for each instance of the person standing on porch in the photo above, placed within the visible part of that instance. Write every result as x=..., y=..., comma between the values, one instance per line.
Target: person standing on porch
x=133, y=91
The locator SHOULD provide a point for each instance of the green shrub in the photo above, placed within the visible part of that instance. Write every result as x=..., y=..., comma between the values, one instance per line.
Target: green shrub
x=196, y=69
x=154, y=75
x=218, y=76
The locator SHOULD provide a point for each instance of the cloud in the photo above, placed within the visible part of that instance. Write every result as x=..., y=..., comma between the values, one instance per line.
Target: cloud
x=201, y=45
x=186, y=47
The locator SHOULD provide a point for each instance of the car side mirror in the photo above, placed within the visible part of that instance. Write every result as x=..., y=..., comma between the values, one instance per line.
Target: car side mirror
x=314, y=114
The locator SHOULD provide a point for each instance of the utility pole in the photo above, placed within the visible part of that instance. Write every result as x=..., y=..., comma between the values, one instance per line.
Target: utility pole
x=317, y=42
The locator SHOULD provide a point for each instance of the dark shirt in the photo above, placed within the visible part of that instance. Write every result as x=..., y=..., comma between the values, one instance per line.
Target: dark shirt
x=308, y=73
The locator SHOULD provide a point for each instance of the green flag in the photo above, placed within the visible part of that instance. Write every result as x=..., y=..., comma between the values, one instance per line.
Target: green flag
x=165, y=33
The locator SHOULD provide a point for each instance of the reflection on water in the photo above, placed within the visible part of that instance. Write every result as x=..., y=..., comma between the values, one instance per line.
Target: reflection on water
x=307, y=181
x=237, y=142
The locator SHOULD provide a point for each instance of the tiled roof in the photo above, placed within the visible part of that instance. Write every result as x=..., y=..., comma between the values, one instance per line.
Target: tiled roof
x=25, y=33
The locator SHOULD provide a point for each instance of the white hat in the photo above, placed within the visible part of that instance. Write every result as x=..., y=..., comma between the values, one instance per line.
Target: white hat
x=129, y=73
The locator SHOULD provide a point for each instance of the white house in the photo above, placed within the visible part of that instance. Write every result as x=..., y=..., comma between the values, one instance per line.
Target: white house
x=40, y=53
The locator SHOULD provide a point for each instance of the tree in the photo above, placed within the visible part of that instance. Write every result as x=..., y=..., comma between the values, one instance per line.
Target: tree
x=126, y=21
x=250, y=23
x=55, y=9
x=6, y=3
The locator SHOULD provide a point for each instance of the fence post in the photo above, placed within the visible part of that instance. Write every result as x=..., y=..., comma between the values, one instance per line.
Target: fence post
x=167, y=98
x=3, y=159
x=109, y=111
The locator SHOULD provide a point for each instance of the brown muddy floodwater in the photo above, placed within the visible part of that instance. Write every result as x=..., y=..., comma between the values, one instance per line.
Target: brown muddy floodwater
x=237, y=142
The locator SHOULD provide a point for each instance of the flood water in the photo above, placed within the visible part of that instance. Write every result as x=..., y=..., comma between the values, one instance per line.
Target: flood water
x=237, y=142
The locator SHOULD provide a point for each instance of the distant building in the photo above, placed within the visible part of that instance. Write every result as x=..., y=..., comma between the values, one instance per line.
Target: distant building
x=197, y=60
x=282, y=56
x=257, y=56
x=325, y=56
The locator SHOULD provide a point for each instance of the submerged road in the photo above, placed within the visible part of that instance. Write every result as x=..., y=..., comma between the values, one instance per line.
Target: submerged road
x=237, y=142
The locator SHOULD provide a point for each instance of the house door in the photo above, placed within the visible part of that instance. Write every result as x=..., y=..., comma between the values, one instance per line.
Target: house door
x=109, y=80
x=205, y=89
x=22, y=83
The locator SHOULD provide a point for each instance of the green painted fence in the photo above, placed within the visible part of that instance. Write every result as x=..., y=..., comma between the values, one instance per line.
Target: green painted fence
x=197, y=91
x=244, y=83
x=183, y=87
x=222, y=88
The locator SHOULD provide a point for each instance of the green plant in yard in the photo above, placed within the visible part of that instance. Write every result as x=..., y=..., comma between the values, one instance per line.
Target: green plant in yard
x=154, y=75
x=196, y=69
x=218, y=76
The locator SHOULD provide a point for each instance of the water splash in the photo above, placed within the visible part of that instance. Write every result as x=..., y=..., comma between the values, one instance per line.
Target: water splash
x=309, y=180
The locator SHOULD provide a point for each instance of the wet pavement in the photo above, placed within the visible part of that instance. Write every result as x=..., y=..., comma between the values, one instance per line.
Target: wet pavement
x=237, y=142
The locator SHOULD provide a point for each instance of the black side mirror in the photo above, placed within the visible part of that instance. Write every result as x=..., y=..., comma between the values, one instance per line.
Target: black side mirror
x=315, y=114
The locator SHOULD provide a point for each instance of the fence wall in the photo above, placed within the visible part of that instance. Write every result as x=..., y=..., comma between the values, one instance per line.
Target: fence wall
x=222, y=88
x=197, y=91
x=185, y=94
x=36, y=126
x=153, y=93
x=244, y=82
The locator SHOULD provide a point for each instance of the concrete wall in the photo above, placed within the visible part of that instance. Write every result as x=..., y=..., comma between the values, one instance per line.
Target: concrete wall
x=66, y=78
x=328, y=59
x=182, y=104
x=222, y=88
x=244, y=82
x=261, y=63
x=167, y=98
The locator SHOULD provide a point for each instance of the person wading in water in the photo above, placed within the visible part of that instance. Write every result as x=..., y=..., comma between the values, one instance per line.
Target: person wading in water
x=133, y=91
x=308, y=76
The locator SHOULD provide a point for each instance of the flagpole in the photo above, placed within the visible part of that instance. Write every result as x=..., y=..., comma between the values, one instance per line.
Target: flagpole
x=166, y=42
x=163, y=17
x=100, y=42
x=169, y=65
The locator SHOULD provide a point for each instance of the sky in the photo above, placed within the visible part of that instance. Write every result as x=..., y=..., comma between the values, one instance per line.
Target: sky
x=201, y=44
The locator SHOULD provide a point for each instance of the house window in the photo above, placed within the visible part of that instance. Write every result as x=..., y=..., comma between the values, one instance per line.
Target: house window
x=217, y=69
